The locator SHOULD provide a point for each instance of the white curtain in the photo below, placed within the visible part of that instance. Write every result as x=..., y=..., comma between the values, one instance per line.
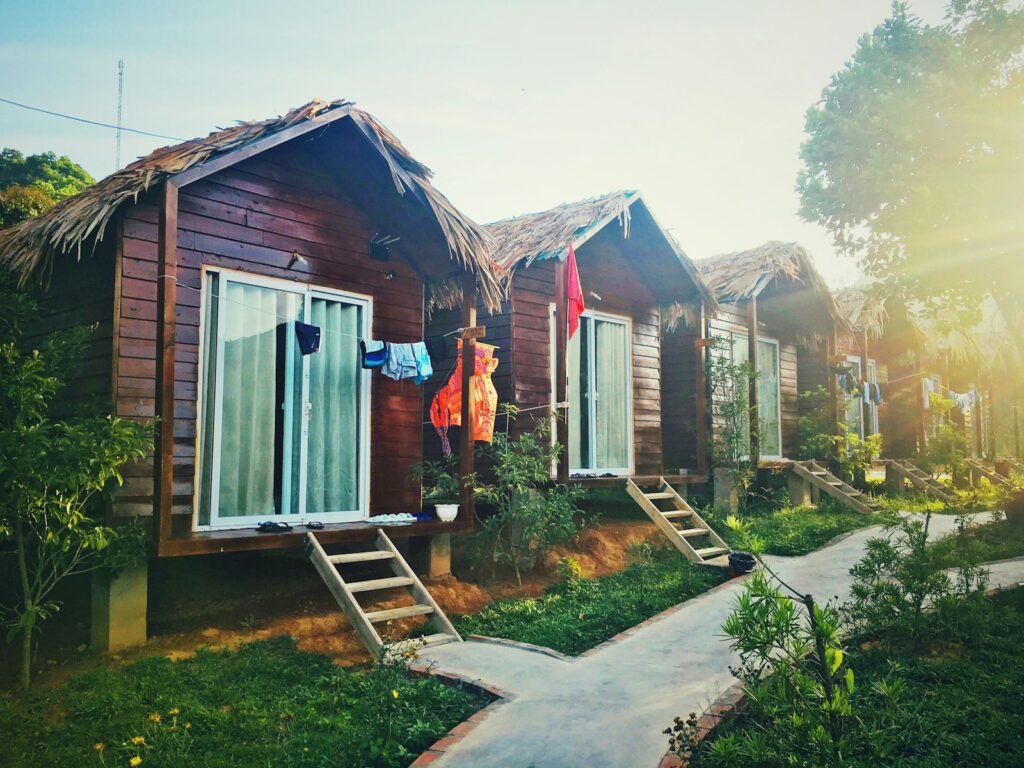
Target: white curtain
x=611, y=428
x=332, y=482
x=249, y=400
x=768, y=398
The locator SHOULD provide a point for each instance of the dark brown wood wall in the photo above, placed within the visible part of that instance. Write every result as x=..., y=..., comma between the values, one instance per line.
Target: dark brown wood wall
x=81, y=293
x=680, y=359
x=251, y=218
x=732, y=318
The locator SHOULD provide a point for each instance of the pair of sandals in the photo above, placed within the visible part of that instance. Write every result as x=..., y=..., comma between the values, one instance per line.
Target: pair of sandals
x=275, y=526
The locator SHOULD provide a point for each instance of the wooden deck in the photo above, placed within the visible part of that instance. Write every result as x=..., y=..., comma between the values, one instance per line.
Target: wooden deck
x=641, y=480
x=187, y=542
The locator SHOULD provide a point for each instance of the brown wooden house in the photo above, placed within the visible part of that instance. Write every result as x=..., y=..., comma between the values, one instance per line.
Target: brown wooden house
x=882, y=331
x=776, y=289
x=639, y=288
x=197, y=261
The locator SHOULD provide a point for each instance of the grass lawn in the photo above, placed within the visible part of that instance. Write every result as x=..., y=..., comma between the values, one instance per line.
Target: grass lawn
x=266, y=704
x=576, y=614
x=960, y=706
x=989, y=541
x=795, y=531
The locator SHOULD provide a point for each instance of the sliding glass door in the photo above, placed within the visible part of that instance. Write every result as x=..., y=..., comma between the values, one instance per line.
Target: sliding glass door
x=600, y=396
x=283, y=435
x=769, y=398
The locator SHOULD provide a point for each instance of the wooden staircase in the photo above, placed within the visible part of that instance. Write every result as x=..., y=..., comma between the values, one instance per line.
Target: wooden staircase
x=681, y=524
x=819, y=477
x=978, y=467
x=403, y=577
x=921, y=479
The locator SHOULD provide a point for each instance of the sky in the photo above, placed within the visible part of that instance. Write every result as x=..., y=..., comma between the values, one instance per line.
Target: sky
x=516, y=107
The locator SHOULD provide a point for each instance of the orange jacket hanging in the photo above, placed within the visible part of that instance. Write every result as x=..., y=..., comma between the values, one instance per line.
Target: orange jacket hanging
x=446, y=407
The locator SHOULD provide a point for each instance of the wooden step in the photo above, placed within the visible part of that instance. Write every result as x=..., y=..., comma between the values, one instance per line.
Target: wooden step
x=711, y=551
x=374, y=584
x=665, y=520
x=689, y=533
x=390, y=614
x=402, y=577
x=360, y=557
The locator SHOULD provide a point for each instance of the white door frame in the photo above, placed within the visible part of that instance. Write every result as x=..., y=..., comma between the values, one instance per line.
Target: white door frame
x=607, y=317
x=306, y=293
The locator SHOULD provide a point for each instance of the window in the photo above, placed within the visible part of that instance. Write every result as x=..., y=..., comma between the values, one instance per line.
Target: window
x=600, y=395
x=281, y=434
x=854, y=401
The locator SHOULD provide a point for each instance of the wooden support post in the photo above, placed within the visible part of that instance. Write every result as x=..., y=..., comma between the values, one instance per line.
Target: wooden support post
x=834, y=398
x=467, y=445
x=754, y=418
x=1016, y=421
x=865, y=409
x=561, y=363
x=166, y=306
x=976, y=419
x=701, y=412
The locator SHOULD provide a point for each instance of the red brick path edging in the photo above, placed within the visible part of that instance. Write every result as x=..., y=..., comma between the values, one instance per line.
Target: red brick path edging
x=456, y=734
x=731, y=700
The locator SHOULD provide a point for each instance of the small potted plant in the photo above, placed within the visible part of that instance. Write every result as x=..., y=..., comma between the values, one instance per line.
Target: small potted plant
x=440, y=486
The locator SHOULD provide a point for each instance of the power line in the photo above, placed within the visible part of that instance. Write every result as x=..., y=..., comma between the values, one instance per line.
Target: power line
x=90, y=122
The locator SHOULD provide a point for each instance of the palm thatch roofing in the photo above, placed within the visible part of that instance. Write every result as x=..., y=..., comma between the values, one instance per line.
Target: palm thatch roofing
x=522, y=240
x=28, y=249
x=985, y=343
x=744, y=275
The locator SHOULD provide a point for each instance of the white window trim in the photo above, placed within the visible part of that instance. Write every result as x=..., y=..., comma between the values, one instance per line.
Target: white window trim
x=631, y=427
x=867, y=373
x=307, y=291
x=778, y=396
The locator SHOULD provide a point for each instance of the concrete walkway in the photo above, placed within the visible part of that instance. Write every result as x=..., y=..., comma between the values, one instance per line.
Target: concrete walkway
x=610, y=708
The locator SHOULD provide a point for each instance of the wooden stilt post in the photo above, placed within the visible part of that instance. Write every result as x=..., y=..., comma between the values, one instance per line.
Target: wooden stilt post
x=701, y=413
x=466, y=442
x=755, y=421
x=561, y=375
x=166, y=307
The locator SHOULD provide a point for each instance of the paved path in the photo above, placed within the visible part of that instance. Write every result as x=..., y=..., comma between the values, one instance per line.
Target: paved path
x=609, y=709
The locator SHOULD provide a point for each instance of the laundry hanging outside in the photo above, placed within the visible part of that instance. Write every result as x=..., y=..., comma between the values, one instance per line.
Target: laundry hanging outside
x=446, y=407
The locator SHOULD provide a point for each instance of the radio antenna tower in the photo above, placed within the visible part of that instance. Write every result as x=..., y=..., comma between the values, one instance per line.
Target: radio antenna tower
x=120, y=101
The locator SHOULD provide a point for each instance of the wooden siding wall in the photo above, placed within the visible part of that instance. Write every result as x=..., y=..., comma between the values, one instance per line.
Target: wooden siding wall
x=251, y=218
x=680, y=359
x=732, y=318
x=81, y=292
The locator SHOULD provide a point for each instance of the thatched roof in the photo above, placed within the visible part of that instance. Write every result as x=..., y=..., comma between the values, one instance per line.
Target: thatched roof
x=740, y=276
x=979, y=345
x=28, y=248
x=521, y=240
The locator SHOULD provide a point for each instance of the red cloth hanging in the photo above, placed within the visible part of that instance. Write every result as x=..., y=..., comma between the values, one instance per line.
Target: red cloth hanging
x=575, y=293
x=446, y=407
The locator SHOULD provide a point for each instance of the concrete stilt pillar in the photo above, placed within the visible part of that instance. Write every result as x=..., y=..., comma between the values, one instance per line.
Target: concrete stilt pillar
x=727, y=498
x=119, y=608
x=440, y=557
x=799, y=491
x=893, y=481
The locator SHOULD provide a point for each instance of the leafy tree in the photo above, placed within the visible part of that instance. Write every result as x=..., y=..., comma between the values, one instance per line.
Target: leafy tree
x=52, y=471
x=30, y=185
x=914, y=154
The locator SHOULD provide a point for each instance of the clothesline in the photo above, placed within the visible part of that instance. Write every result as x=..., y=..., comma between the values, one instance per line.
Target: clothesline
x=254, y=308
x=549, y=406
